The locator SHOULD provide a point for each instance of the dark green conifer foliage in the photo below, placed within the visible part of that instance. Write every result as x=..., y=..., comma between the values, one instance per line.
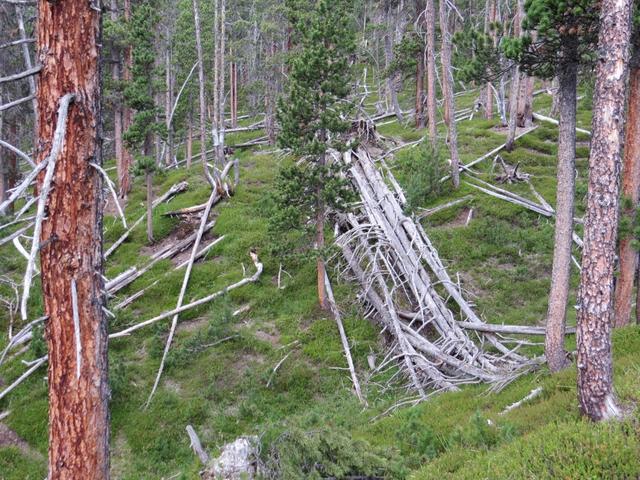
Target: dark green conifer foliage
x=314, y=117
x=566, y=31
x=138, y=94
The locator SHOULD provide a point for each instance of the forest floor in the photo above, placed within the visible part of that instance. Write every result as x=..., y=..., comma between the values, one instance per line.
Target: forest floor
x=305, y=412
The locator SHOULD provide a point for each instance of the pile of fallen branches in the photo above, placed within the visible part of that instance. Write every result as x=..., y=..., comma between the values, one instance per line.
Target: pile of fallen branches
x=416, y=302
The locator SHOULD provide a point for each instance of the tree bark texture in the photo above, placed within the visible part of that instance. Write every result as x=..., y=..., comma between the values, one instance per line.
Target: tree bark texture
x=71, y=253
x=447, y=93
x=595, y=296
x=628, y=255
x=430, y=19
x=124, y=173
x=420, y=120
x=561, y=269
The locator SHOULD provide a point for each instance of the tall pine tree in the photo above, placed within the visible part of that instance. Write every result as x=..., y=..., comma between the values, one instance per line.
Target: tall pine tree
x=313, y=115
x=566, y=34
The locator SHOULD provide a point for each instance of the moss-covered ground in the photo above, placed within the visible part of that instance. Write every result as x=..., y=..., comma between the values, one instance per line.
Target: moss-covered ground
x=305, y=412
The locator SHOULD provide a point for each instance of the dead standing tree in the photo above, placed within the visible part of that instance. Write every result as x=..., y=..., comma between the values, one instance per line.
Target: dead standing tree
x=447, y=92
x=71, y=239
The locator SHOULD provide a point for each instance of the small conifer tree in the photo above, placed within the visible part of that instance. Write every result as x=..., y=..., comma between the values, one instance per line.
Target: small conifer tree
x=313, y=117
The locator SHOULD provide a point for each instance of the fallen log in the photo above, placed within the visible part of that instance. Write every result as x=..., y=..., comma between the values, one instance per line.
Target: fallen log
x=244, y=281
x=395, y=263
x=173, y=191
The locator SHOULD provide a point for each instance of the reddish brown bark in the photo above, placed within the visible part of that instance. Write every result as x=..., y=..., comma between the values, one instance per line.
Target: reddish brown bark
x=69, y=51
x=595, y=296
x=628, y=255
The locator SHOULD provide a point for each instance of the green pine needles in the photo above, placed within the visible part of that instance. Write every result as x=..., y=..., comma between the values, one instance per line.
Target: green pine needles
x=314, y=117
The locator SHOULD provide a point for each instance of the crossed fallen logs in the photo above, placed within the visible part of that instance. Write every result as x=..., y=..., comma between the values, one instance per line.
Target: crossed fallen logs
x=398, y=268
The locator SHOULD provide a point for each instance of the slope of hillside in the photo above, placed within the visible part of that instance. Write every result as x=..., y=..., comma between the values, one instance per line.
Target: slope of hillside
x=221, y=374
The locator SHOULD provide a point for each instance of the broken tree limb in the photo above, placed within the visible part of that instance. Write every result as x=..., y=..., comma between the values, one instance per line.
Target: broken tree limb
x=275, y=369
x=183, y=289
x=17, y=42
x=196, y=446
x=18, y=76
x=37, y=364
x=396, y=265
x=533, y=394
x=202, y=252
x=169, y=251
x=244, y=281
x=112, y=190
x=56, y=148
x=174, y=190
x=553, y=121
x=18, y=152
x=489, y=154
x=16, y=103
x=343, y=338
x=19, y=190
x=432, y=211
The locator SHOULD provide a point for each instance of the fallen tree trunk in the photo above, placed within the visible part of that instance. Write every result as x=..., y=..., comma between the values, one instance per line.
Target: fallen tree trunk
x=395, y=264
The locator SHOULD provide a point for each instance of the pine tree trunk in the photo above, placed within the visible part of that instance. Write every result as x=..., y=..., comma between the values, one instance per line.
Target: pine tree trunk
x=595, y=296
x=420, y=120
x=202, y=102
x=71, y=254
x=430, y=19
x=628, y=255
x=124, y=174
x=320, y=214
x=392, y=78
x=561, y=270
x=515, y=83
x=447, y=93
x=233, y=75
x=167, y=106
x=189, y=153
x=219, y=73
x=149, y=183
x=490, y=18
x=117, y=104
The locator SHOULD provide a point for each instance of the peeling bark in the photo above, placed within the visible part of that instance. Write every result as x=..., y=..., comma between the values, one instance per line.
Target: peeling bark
x=595, y=296
x=69, y=52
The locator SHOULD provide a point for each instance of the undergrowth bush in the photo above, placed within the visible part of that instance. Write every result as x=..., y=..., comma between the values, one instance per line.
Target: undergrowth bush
x=328, y=453
x=420, y=171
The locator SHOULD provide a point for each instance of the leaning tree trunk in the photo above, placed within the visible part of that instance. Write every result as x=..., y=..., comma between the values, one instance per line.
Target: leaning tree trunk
x=561, y=270
x=71, y=239
x=430, y=19
x=595, y=296
x=447, y=93
x=628, y=255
